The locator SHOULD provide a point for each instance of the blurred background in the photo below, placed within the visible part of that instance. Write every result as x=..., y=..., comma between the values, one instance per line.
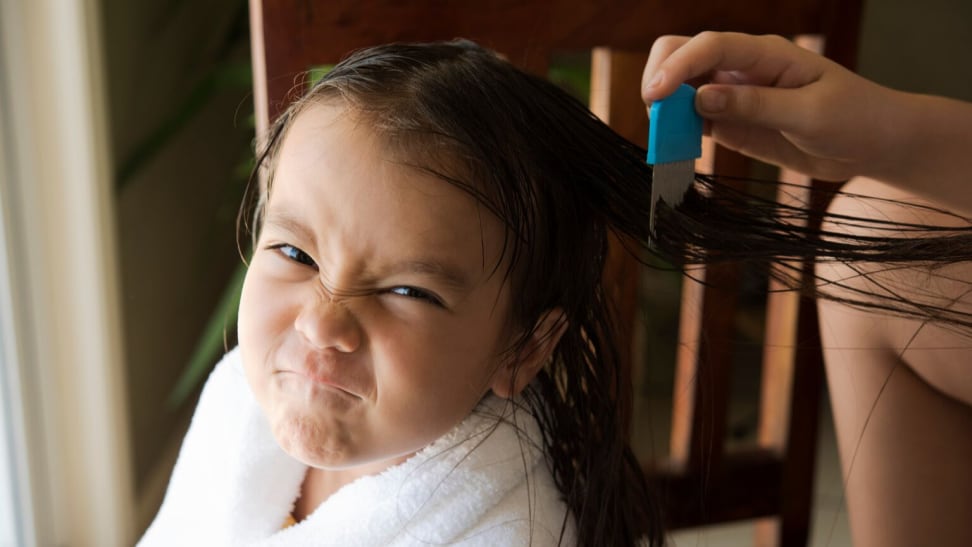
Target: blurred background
x=126, y=134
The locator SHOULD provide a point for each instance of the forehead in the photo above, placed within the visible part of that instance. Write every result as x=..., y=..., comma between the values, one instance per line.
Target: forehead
x=334, y=174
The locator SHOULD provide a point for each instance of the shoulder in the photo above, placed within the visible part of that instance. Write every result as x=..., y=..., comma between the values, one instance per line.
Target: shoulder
x=856, y=333
x=488, y=483
x=531, y=514
x=532, y=510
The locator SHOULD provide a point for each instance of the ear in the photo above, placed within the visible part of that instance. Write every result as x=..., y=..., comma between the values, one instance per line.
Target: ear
x=515, y=373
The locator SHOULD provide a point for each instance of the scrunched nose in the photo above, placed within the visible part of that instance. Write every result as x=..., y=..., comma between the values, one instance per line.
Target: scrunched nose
x=327, y=323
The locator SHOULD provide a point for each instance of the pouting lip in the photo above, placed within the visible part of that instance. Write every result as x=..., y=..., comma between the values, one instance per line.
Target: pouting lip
x=319, y=380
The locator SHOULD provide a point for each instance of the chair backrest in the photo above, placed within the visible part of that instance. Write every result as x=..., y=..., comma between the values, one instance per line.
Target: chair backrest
x=700, y=482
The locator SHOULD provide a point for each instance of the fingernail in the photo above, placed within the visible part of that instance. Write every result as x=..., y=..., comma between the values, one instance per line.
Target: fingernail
x=656, y=79
x=712, y=101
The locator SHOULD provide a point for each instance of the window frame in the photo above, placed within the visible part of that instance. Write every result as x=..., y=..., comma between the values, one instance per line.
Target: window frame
x=62, y=382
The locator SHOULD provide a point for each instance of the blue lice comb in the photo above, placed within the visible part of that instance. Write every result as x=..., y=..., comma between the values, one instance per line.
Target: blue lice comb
x=674, y=141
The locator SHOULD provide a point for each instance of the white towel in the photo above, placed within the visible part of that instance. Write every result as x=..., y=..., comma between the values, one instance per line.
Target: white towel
x=480, y=484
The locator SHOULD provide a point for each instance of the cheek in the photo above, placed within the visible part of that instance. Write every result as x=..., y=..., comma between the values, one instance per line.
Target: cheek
x=252, y=301
x=265, y=307
x=435, y=365
x=264, y=315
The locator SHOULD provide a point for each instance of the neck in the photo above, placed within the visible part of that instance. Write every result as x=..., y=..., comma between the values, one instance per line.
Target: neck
x=321, y=484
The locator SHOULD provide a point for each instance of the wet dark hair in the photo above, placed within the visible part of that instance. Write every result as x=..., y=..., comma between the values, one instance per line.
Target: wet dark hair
x=561, y=181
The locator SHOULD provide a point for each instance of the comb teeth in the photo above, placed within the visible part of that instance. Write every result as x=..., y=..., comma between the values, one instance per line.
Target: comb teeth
x=669, y=183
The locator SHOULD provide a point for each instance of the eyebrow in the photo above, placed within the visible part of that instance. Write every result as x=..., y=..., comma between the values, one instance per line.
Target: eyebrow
x=291, y=224
x=445, y=273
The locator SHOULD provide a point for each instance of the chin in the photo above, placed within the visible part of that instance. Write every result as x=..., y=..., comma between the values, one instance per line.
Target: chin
x=312, y=441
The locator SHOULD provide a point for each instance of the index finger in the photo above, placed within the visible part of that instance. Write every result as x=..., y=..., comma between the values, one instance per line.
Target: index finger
x=763, y=60
x=661, y=50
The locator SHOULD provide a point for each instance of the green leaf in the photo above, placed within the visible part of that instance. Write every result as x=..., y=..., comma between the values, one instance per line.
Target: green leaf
x=212, y=342
x=573, y=77
x=315, y=74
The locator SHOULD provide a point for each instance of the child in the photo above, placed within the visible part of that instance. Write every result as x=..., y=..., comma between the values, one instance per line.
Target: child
x=426, y=355
x=901, y=388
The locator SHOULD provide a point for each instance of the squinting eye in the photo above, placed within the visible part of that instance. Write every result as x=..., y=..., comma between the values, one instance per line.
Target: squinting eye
x=295, y=254
x=417, y=294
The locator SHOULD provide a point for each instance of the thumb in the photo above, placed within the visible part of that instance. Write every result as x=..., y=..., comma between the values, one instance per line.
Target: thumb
x=767, y=107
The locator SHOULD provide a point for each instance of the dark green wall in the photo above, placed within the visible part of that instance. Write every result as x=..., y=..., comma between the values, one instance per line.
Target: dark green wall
x=921, y=46
x=174, y=257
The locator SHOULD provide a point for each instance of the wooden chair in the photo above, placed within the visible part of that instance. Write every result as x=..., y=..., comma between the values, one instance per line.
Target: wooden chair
x=700, y=482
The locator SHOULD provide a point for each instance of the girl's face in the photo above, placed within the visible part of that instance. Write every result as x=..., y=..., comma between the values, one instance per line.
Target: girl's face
x=372, y=320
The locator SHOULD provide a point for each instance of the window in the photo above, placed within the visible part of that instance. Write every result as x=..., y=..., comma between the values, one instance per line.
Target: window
x=63, y=431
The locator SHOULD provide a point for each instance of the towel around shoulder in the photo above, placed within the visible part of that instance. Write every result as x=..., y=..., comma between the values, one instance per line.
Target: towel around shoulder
x=486, y=482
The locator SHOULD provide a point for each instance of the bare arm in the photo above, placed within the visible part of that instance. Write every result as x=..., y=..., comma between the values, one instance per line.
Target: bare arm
x=933, y=153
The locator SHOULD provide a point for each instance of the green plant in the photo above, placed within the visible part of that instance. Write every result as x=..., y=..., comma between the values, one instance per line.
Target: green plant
x=227, y=73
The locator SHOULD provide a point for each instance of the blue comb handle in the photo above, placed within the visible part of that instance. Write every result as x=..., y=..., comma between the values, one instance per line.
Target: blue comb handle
x=675, y=132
